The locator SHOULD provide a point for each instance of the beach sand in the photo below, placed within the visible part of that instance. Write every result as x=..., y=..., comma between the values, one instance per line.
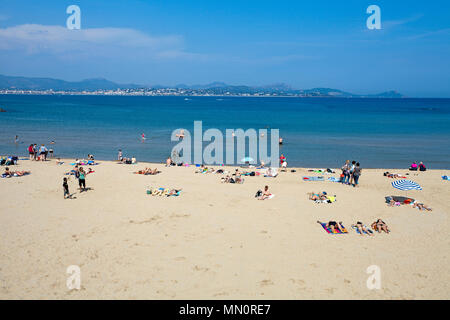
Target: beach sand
x=216, y=241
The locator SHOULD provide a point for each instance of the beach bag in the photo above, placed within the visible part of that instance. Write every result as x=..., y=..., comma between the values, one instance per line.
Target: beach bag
x=258, y=194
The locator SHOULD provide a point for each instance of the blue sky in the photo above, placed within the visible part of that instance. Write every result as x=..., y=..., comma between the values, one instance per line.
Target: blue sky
x=302, y=43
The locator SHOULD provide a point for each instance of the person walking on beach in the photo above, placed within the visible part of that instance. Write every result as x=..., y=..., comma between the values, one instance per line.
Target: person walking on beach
x=82, y=179
x=120, y=155
x=16, y=139
x=356, y=174
x=66, y=189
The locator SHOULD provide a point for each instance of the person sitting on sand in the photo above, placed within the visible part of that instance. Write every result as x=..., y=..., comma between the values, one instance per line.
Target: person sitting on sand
x=7, y=173
x=413, y=166
x=169, y=162
x=237, y=177
x=379, y=226
x=422, y=167
x=266, y=194
x=333, y=225
x=361, y=228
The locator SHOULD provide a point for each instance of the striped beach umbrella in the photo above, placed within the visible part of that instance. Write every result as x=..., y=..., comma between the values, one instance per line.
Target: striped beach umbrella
x=406, y=185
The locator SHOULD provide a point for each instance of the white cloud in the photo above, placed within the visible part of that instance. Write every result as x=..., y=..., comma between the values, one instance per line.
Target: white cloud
x=58, y=40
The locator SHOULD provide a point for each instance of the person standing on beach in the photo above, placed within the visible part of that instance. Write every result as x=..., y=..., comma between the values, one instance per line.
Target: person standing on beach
x=16, y=139
x=43, y=152
x=31, y=151
x=66, y=189
x=35, y=151
x=82, y=179
x=356, y=174
x=120, y=155
x=352, y=168
x=346, y=172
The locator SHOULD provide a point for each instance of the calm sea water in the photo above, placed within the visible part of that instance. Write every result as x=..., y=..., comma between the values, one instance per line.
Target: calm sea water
x=317, y=132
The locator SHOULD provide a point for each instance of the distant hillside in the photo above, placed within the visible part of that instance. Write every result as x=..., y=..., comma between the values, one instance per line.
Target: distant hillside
x=26, y=83
x=214, y=88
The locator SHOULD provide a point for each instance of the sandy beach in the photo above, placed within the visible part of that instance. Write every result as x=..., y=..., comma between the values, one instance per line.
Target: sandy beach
x=215, y=240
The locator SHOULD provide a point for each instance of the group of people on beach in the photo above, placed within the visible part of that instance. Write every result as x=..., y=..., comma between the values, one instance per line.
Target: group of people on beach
x=419, y=167
x=350, y=173
x=39, y=153
x=379, y=225
x=79, y=174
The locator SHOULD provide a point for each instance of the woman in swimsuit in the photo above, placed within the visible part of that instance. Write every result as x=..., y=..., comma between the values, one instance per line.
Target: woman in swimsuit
x=333, y=225
x=361, y=228
x=380, y=225
x=266, y=194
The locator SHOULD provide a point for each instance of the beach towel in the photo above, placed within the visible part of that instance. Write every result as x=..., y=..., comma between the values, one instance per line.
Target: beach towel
x=313, y=179
x=336, y=231
x=357, y=231
x=445, y=178
x=334, y=179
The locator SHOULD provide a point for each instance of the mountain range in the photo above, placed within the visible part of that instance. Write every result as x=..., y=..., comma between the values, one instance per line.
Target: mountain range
x=217, y=88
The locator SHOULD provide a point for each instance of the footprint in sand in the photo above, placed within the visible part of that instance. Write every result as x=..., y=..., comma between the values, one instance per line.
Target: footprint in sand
x=297, y=281
x=197, y=268
x=180, y=258
x=330, y=290
x=264, y=283
x=221, y=294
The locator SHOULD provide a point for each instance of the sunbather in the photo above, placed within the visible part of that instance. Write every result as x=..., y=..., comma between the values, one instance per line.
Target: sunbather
x=317, y=196
x=333, y=225
x=421, y=206
x=379, y=226
x=393, y=175
x=361, y=228
x=266, y=194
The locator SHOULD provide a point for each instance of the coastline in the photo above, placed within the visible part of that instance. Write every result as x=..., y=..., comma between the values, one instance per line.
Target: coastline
x=215, y=240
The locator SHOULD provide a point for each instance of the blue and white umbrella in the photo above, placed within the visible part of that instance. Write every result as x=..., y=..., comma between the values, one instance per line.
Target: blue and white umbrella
x=406, y=185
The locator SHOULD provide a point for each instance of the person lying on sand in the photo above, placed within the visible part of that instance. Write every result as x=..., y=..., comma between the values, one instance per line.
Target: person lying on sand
x=333, y=225
x=379, y=226
x=172, y=192
x=393, y=175
x=148, y=171
x=8, y=173
x=317, y=196
x=266, y=194
x=361, y=228
x=421, y=206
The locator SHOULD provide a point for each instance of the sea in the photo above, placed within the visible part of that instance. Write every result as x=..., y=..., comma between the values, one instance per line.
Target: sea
x=316, y=132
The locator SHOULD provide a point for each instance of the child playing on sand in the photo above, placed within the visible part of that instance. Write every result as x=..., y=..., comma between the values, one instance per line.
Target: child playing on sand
x=66, y=189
